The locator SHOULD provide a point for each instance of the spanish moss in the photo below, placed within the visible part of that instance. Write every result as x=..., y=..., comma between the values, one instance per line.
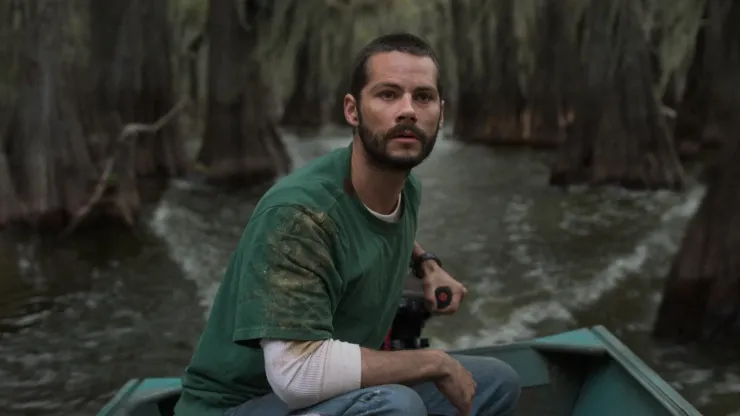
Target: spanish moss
x=330, y=32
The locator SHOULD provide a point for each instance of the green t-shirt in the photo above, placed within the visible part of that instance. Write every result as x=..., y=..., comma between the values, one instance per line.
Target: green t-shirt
x=313, y=263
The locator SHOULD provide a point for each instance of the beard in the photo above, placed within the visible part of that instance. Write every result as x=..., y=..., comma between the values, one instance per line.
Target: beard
x=376, y=146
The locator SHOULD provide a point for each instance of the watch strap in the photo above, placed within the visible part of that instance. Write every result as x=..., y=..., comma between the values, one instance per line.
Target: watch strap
x=417, y=262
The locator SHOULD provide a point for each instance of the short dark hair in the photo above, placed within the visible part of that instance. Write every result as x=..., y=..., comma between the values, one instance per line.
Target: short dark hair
x=394, y=42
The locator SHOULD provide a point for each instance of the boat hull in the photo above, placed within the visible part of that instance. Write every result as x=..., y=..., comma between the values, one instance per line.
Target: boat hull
x=583, y=372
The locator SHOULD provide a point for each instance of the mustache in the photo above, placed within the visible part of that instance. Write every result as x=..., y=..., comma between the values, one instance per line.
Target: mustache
x=399, y=129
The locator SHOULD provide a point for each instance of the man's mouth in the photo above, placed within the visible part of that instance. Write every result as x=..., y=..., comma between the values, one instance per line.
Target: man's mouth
x=406, y=135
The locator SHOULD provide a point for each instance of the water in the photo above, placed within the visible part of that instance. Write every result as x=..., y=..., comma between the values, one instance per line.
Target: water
x=77, y=321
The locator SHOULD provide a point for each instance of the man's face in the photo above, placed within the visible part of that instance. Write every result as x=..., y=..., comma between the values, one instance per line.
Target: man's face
x=400, y=110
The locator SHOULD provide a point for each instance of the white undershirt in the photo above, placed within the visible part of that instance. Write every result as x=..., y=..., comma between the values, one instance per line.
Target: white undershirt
x=393, y=216
x=303, y=373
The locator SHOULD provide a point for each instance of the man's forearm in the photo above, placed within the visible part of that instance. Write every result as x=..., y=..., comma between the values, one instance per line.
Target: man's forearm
x=303, y=373
x=427, y=266
x=417, y=251
x=400, y=367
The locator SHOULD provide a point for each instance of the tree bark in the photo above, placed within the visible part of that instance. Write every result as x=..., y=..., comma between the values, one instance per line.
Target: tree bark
x=701, y=297
x=241, y=140
x=12, y=207
x=619, y=135
x=131, y=52
x=707, y=112
x=49, y=167
x=65, y=115
x=303, y=111
x=490, y=102
x=547, y=114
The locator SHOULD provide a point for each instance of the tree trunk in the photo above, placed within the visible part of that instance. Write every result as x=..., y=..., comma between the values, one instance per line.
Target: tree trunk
x=303, y=111
x=707, y=112
x=490, y=101
x=131, y=50
x=701, y=298
x=49, y=168
x=619, y=135
x=11, y=207
x=547, y=115
x=63, y=157
x=241, y=140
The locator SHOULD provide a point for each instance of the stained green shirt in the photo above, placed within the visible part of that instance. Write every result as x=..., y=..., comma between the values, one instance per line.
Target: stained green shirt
x=313, y=264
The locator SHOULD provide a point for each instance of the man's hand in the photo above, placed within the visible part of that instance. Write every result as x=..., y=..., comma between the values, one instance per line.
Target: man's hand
x=434, y=277
x=457, y=385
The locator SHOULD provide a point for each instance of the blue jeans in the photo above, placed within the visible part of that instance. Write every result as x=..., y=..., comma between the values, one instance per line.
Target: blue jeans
x=497, y=394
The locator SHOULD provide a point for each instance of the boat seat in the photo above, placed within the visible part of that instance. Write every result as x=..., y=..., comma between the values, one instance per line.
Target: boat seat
x=159, y=403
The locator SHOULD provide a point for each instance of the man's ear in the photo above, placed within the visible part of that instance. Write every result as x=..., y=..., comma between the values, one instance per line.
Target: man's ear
x=350, y=110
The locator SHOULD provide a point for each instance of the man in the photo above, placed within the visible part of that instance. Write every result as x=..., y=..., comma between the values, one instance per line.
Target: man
x=313, y=286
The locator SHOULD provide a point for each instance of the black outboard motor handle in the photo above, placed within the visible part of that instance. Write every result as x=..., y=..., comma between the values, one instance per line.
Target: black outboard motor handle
x=410, y=318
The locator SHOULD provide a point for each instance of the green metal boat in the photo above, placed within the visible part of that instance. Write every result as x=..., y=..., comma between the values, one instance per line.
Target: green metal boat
x=586, y=372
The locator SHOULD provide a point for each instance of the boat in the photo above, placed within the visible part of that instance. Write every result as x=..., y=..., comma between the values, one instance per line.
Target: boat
x=583, y=372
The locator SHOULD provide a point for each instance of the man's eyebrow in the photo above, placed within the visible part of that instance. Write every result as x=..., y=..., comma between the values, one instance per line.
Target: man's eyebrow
x=425, y=88
x=422, y=88
x=386, y=85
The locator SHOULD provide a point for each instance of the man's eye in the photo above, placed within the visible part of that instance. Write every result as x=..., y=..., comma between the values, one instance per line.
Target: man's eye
x=424, y=97
x=387, y=95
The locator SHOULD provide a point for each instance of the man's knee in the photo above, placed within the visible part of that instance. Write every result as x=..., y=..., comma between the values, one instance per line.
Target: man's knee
x=395, y=399
x=509, y=382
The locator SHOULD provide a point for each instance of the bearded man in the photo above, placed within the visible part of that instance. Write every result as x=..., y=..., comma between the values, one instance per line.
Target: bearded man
x=313, y=286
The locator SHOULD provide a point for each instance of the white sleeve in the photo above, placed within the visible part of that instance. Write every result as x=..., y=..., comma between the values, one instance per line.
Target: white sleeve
x=303, y=373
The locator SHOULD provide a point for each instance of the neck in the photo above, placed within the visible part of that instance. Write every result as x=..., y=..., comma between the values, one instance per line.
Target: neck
x=376, y=187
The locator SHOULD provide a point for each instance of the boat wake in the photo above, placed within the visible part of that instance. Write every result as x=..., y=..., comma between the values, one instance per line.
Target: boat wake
x=557, y=293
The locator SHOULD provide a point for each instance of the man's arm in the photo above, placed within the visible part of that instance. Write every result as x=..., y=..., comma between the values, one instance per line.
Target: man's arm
x=426, y=267
x=401, y=367
x=417, y=251
x=305, y=373
x=288, y=284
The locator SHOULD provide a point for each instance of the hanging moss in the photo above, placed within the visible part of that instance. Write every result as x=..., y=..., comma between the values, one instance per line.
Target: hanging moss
x=331, y=32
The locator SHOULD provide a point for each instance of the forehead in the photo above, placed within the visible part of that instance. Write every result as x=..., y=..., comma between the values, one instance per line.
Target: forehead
x=401, y=68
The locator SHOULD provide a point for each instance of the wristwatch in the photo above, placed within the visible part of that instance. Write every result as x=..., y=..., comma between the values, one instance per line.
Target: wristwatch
x=416, y=263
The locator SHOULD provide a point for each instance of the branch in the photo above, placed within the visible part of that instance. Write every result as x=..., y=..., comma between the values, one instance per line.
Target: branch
x=668, y=112
x=128, y=132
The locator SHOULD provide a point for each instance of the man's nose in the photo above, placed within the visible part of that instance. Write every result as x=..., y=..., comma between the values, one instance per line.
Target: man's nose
x=406, y=112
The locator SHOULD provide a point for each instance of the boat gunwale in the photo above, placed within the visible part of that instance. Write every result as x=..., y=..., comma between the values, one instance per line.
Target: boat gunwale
x=643, y=374
x=119, y=400
x=606, y=344
x=617, y=351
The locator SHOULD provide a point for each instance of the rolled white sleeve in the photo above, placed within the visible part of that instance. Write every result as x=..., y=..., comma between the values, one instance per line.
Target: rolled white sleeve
x=303, y=373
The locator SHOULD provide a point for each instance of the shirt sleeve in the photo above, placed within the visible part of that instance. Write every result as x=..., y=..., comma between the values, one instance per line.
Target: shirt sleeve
x=303, y=375
x=288, y=282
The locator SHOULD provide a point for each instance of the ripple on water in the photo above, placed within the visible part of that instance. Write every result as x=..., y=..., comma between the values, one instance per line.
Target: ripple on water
x=100, y=321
